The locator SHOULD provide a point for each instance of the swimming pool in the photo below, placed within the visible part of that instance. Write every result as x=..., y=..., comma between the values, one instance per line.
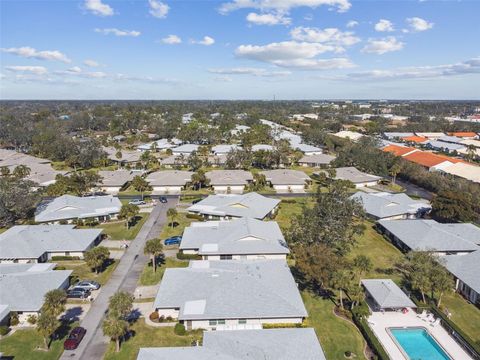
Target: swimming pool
x=417, y=344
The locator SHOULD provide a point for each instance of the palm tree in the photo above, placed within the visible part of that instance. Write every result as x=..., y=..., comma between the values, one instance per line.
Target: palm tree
x=363, y=264
x=54, y=302
x=394, y=170
x=153, y=248
x=47, y=323
x=118, y=155
x=341, y=280
x=21, y=171
x=172, y=214
x=128, y=212
x=115, y=329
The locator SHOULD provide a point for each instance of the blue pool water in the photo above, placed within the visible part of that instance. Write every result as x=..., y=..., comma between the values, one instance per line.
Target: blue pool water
x=418, y=344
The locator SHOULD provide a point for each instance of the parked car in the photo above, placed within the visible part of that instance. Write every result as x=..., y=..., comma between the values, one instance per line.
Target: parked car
x=163, y=199
x=137, y=202
x=174, y=240
x=87, y=285
x=78, y=293
x=74, y=339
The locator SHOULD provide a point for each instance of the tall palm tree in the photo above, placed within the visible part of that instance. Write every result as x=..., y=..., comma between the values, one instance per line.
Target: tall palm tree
x=172, y=214
x=153, y=248
x=115, y=329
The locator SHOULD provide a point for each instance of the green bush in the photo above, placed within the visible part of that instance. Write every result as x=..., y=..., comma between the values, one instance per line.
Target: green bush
x=32, y=319
x=179, y=329
x=282, y=325
x=182, y=256
x=195, y=217
x=63, y=222
x=368, y=334
x=63, y=258
x=60, y=267
x=4, y=330
x=14, y=318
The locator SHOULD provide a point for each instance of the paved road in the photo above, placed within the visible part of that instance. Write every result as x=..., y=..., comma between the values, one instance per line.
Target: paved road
x=125, y=278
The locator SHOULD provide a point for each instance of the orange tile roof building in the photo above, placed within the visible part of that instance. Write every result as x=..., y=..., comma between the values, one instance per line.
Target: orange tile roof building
x=415, y=139
x=464, y=134
x=399, y=150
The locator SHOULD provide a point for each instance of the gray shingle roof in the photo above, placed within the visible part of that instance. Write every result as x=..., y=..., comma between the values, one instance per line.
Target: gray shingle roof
x=264, y=147
x=424, y=235
x=246, y=205
x=305, y=148
x=382, y=205
x=286, y=177
x=466, y=268
x=392, y=135
x=74, y=207
x=231, y=289
x=169, y=178
x=272, y=344
x=32, y=241
x=322, y=159
x=185, y=149
x=387, y=294
x=229, y=177
x=444, y=145
x=240, y=236
x=115, y=178
x=354, y=175
x=224, y=149
x=128, y=156
x=25, y=290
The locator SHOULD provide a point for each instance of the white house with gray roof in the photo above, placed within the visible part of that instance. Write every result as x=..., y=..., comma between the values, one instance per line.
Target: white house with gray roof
x=230, y=295
x=355, y=176
x=466, y=270
x=287, y=181
x=429, y=235
x=38, y=243
x=229, y=181
x=224, y=149
x=387, y=206
x=127, y=156
x=268, y=344
x=69, y=208
x=229, y=206
x=169, y=181
x=384, y=294
x=185, y=149
x=318, y=160
x=239, y=239
x=262, y=147
x=113, y=181
x=307, y=149
x=23, y=286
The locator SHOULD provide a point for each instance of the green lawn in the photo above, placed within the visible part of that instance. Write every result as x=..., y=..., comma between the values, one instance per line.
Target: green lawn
x=289, y=208
x=335, y=334
x=22, y=345
x=118, y=230
x=182, y=222
x=146, y=336
x=465, y=315
x=148, y=277
x=83, y=272
x=131, y=191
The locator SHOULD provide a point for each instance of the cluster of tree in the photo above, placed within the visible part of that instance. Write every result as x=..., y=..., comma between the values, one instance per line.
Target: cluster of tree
x=116, y=324
x=47, y=323
x=97, y=257
x=128, y=212
x=17, y=199
x=154, y=248
x=77, y=183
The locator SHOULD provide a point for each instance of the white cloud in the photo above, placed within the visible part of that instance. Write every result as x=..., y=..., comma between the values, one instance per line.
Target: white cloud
x=352, y=24
x=223, y=79
x=29, y=52
x=283, y=5
x=91, y=63
x=268, y=19
x=471, y=66
x=417, y=24
x=77, y=71
x=118, y=32
x=329, y=36
x=383, y=46
x=207, y=41
x=36, y=70
x=384, y=26
x=293, y=54
x=250, y=71
x=158, y=9
x=171, y=40
x=98, y=8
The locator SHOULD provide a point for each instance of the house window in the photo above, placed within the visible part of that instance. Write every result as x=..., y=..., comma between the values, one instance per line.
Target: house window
x=67, y=253
x=225, y=257
x=212, y=322
x=221, y=322
x=242, y=321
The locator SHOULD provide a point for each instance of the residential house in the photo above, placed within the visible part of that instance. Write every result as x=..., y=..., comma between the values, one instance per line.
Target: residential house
x=239, y=239
x=442, y=146
x=114, y=181
x=385, y=295
x=350, y=135
x=387, y=206
x=398, y=150
x=464, y=134
x=229, y=181
x=464, y=171
x=268, y=344
x=187, y=118
x=430, y=161
x=185, y=149
x=466, y=270
x=420, y=140
x=429, y=235
x=355, y=176
x=262, y=147
x=169, y=181
x=39, y=243
x=228, y=206
x=230, y=295
x=126, y=156
x=287, y=181
x=23, y=286
x=159, y=145
x=430, y=135
x=397, y=135
x=319, y=160
x=224, y=149
x=174, y=161
x=308, y=149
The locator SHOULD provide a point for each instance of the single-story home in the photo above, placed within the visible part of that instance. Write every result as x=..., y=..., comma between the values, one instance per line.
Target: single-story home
x=39, y=243
x=224, y=149
x=23, y=286
x=169, y=181
x=307, y=149
x=229, y=206
x=387, y=206
x=384, y=294
x=444, y=146
x=349, y=135
x=430, y=235
x=239, y=129
x=230, y=295
x=466, y=270
x=174, y=161
x=287, y=181
x=113, y=181
x=239, y=239
x=415, y=139
x=267, y=344
x=357, y=177
x=464, y=134
x=229, y=181
x=127, y=156
x=318, y=160
x=397, y=135
x=69, y=208
x=262, y=147
x=185, y=149
x=159, y=145
x=399, y=150
x=430, y=135
x=464, y=171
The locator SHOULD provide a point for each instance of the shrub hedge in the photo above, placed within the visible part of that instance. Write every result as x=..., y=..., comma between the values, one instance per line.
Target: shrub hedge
x=369, y=336
x=182, y=256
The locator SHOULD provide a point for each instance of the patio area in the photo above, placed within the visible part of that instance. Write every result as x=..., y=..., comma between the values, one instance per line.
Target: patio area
x=379, y=322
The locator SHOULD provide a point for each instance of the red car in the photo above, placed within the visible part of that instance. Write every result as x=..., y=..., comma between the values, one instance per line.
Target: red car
x=76, y=335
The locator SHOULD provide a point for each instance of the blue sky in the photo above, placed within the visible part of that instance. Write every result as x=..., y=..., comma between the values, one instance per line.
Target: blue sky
x=239, y=49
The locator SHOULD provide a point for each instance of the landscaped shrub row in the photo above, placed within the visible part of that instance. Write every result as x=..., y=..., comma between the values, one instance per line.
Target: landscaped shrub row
x=182, y=256
x=282, y=325
x=369, y=336
x=195, y=217
x=62, y=258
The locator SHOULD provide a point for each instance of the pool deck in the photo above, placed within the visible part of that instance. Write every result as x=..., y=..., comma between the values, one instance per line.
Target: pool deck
x=380, y=322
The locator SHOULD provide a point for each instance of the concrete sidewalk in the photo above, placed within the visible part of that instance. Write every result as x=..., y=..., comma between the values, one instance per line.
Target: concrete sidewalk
x=124, y=278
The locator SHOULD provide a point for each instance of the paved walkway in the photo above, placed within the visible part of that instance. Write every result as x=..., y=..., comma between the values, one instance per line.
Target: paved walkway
x=125, y=278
